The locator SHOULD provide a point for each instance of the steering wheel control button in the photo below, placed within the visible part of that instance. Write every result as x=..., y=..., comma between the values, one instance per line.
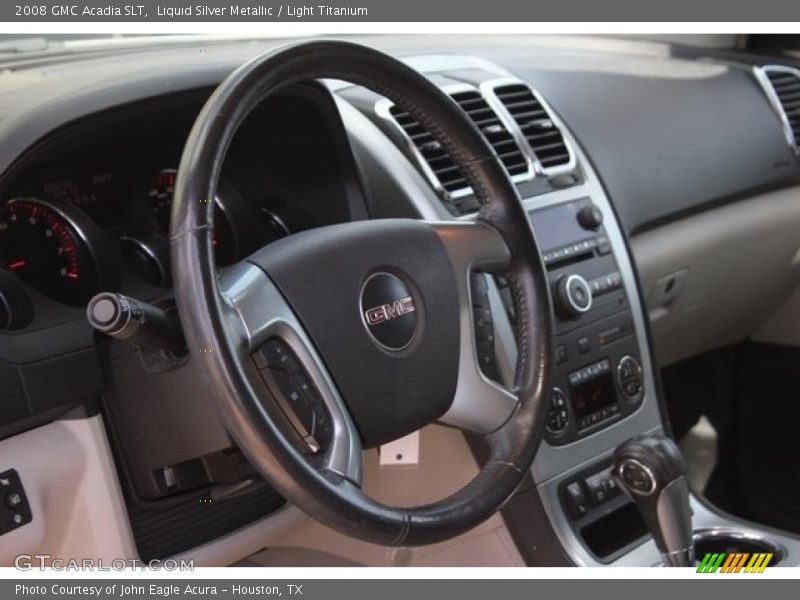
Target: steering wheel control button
x=15, y=510
x=296, y=395
x=558, y=413
x=638, y=478
x=388, y=311
x=629, y=377
x=276, y=355
x=484, y=326
x=573, y=296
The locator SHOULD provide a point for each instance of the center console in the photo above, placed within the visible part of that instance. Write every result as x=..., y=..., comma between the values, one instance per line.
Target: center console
x=599, y=377
x=604, y=390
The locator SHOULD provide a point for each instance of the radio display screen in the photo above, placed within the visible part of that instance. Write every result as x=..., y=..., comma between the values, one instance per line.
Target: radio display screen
x=557, y=226
x=592, y=395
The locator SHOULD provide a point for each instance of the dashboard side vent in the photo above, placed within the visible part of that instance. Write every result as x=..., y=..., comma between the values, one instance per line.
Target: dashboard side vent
x=441, y=165
x=487, y=121
x=782, y=86
x=542, y=134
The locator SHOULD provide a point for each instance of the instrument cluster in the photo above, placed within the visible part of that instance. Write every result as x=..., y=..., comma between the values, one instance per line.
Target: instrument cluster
x=71, y=238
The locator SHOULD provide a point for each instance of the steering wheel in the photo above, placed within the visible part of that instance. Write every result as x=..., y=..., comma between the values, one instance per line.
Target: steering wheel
x=368, y=324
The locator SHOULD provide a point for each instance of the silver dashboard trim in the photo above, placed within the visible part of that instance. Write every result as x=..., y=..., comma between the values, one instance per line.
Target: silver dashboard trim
x=489, y=90
x=480, y=404
x=555, y=463
x=382, y=108
x=264, y=313
x=760, y=74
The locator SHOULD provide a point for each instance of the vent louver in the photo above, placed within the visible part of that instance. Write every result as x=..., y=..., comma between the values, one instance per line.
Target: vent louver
x=785, y=84
x=438, y=160
x=485, y=119
x=493, y=130
x=543, y=135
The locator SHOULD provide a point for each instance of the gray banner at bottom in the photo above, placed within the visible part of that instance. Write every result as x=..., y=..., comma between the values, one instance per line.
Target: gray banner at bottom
x=703, y=586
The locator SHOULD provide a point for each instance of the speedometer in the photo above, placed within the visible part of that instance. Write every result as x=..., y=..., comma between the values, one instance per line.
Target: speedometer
x=47, y=244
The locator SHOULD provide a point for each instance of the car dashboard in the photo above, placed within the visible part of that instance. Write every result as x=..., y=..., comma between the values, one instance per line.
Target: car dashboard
x=85, y=199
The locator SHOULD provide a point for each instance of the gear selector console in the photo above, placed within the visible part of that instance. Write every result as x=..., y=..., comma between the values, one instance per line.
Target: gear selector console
x=651, y=471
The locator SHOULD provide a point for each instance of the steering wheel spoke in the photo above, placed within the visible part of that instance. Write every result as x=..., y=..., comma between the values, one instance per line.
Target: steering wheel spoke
x=273, y=338
x=480, y=404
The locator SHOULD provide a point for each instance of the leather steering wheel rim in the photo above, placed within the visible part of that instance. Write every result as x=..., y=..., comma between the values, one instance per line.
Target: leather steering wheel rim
x=212, y=324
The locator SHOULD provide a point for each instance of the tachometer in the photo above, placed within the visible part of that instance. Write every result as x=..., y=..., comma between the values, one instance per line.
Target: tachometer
x=48, y=244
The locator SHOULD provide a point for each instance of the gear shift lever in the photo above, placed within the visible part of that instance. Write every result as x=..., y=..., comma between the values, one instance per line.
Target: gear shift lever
x=651, y=471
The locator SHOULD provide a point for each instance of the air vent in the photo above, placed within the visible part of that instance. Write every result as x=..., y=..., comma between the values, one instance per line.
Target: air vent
x=493, y=130
x=782, y=85
x=537, y=126
x=440, y=163
x=485, y=119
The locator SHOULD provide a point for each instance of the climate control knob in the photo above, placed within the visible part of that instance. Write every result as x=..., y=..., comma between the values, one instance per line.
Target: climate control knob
x=558, y=413
x=573, y=296
x=630, y=378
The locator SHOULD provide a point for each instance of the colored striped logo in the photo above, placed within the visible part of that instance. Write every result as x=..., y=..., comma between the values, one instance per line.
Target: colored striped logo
x=734, y=562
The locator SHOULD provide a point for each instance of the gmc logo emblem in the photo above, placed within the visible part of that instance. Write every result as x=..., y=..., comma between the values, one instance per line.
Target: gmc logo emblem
x=387, y=312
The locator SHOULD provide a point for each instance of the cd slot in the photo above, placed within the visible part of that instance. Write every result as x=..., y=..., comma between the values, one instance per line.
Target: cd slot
x=573, y=252
x=569, y=260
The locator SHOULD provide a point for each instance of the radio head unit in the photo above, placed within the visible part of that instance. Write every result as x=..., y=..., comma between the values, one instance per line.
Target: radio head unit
x=598, y=378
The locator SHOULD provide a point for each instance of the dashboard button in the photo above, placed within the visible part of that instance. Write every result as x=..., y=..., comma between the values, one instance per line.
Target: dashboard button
x=598, y=493
x=558, y=414
x=561, y=354
x=576, y=500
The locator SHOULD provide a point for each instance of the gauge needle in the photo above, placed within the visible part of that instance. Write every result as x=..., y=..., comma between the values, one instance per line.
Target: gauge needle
x=17, y=264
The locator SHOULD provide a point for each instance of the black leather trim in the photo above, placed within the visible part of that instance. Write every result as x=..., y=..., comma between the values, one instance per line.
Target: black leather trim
x=207, y=321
